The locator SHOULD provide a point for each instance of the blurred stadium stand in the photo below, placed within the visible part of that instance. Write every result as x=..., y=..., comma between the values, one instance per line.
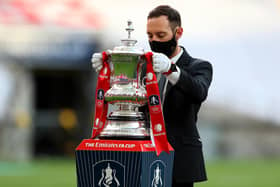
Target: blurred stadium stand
x=45, y=48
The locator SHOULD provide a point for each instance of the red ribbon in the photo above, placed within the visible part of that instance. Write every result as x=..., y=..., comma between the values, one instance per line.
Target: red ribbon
x=101, y=107
x=157, y=122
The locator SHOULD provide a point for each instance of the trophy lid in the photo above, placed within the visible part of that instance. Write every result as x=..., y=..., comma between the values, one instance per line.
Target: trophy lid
x=128, y=44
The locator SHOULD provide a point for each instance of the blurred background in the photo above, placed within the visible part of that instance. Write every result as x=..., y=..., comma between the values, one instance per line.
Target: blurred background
x=47, y=85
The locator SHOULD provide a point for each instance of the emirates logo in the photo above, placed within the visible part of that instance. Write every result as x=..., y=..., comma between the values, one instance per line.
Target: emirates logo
x=150, y=76
x=158, y=127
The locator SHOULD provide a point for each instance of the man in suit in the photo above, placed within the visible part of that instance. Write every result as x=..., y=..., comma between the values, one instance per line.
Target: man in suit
x=183, y=87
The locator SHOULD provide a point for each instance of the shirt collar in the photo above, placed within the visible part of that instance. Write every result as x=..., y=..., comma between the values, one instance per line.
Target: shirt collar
x=175, y=58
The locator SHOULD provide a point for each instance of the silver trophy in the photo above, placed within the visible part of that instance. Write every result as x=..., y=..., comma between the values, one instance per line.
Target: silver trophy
x=127, y=93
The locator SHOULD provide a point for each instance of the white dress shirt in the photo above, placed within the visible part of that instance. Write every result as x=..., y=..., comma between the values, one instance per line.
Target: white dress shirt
x=174, y=76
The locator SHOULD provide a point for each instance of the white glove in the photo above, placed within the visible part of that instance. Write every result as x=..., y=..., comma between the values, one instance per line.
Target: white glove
x=96, y=61
x=161, y=63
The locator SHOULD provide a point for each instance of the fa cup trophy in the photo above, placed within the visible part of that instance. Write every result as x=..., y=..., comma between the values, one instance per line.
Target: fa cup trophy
x=127, y=93
x=128, y=143
x=127, y=81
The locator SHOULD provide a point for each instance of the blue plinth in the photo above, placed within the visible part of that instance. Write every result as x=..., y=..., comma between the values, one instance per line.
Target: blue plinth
x=117, y=163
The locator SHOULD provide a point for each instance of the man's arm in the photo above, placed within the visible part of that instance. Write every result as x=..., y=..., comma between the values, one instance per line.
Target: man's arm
x=195, y=80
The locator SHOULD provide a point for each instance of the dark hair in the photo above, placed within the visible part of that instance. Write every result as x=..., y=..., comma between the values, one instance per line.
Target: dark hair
x=173, y=15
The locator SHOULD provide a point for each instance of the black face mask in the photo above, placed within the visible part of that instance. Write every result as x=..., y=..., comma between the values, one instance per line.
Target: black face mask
x=166, y=48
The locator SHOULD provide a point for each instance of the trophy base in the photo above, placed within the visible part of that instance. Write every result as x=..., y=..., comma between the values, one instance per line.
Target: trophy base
x=128, y=164
x=125, y=125
x=116, y=135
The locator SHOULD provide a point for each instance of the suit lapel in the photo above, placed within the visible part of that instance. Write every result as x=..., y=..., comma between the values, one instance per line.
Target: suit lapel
x=182, y=61
x=161, y=86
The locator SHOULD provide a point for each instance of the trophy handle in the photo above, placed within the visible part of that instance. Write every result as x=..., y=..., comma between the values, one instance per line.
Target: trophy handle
x=143, y=82
x=143, y=78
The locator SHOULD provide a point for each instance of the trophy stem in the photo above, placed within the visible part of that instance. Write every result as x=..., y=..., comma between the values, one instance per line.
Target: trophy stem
x=127, y=107
x=126, y=124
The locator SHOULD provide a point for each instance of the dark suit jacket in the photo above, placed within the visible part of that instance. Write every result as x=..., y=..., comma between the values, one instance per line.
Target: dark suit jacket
x=181, y=105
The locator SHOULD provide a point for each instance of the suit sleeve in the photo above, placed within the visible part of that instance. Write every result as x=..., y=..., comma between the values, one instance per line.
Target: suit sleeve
x=195, y=80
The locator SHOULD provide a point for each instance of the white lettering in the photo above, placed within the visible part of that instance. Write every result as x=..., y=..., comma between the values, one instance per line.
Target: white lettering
x=110, y=145
x=130, y=146
x=159, y=134
x=152, y=82
x=89, y=144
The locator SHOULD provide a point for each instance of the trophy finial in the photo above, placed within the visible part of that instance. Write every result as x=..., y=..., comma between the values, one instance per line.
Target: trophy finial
x=129, y=28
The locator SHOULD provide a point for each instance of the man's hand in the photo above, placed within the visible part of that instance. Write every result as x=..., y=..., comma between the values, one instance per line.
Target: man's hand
x=96, y=61
x=161, y=63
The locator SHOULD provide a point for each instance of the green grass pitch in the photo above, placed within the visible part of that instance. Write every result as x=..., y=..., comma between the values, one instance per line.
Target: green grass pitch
x=62, y=173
